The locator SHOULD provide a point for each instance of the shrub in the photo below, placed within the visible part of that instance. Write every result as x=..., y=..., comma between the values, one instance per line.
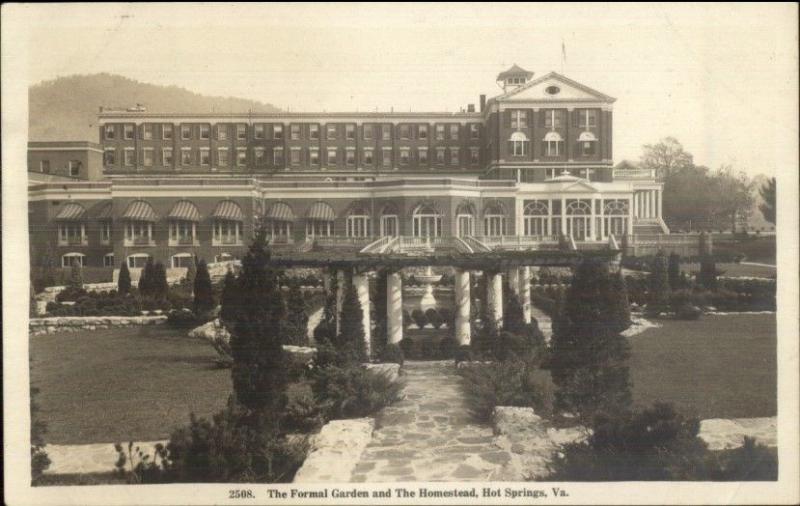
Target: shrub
x=749, y=462
x=328, y=355
x=203, y=294
x=513, y=383
x=141, y=469
x=124, y=279
x=70, y=293
x=182, y=319
x=406, y=319
x=407, y=346
x=303, y=414
x=353, y=392
x=484, y=341
x=420, y=319
x=448, y=317
x=351, y=329
x=76, y=276
x=392, y=353
x=463, y=354
x=658, y=285
x=707, y=277
x=297, y=319
x=430, y=348
x=688, y=312
x=448, y=348
x=434, y=318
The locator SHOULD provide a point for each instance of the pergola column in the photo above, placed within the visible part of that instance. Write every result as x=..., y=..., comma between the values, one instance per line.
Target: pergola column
x=513, y=280
x=361, y=284
x=462, y=329
x=495, y=288
x=525, y=292
x=394, y=308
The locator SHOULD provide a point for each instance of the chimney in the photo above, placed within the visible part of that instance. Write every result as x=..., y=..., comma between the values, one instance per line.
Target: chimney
x=483, y=102
x=470, y=107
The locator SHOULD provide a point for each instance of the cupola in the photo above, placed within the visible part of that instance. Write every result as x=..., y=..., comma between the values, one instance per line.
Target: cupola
x=513, y=78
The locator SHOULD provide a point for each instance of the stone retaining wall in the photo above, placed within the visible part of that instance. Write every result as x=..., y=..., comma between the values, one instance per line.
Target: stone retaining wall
x=335, y=451
x=51, y=325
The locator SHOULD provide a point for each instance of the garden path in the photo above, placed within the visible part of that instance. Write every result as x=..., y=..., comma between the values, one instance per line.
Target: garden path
x=430, y=435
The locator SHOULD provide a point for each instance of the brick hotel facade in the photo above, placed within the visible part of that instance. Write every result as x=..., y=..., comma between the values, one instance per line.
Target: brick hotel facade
x=525, y=169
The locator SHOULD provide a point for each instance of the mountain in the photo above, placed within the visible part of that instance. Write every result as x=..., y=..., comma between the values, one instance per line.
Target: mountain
x=66, y=108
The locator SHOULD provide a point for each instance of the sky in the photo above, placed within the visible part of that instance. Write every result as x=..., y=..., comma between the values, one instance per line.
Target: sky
x=721, y=78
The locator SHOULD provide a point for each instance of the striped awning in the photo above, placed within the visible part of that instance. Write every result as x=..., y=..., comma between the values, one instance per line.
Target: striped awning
x=71, y=212
x=321, y=211
x=228, y=210
x=280, y=211
x=139, y=210
x=185, y=211
x=103, y=211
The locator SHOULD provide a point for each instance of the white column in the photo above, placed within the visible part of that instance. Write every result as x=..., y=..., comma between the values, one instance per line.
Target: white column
x=339, y=298
x=361, y=283
x=563, y=216
x=513, y=280
x=394, y=308
x=660, y=195
x=631, y=214
x=650, y=204
x=495, y=296
x=518, y=228
x=462, y=331
x=592, y=232
x=635, y=203
x=525, y=292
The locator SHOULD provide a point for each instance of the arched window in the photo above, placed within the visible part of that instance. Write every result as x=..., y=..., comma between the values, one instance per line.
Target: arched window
x=358, y=221
x=518, y=144
x=139, y=218
x=181, y=260
x=319, y=220
x=579, y=220
x=278, y=220
x=536, y=216
x=615, y=217
x=108, y=260
x=390, y=221
x=71, y=258
x=553, y=144
x=71, y=221
x=427, y=221
x=228, y=219
x=465, y=219
x=183, y=218
x=137, y=260
x=494, y=220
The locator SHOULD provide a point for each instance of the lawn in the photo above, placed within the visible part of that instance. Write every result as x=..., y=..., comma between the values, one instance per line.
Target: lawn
x=717, y=367
x=124, y=384
x=736, y=270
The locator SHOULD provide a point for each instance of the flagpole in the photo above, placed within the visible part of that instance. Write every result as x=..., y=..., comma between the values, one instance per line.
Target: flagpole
x=563, y=55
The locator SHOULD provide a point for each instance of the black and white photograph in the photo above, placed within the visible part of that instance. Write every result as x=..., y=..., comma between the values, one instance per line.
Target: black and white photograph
x=423, y=253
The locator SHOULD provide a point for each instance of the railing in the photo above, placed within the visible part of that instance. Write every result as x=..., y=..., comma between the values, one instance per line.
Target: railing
x=140, y=241
x=519, y=241
x=74, y=241
x=184, y=241
x=340, y=241
x=226, y=241
x=635, y=174
x=377, y=246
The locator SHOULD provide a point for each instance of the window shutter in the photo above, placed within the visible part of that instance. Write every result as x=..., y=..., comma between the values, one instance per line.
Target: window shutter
x=542, y=114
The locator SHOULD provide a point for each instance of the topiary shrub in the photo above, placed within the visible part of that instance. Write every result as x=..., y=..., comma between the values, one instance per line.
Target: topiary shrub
x=447, y=348
x=419, y=317
x=430, y=349
x=433, y=317
x=392, y=354
x=448, y=317
x=408, y=347
x=463, y=353
x=688, y=312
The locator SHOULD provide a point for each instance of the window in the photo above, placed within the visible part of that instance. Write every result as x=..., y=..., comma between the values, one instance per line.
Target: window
x=454, y=156
x=44, y=165
x=587, y=148
x=551, y=148
x=186, y=132
x=332, y=156
x=71, y=259
x=166, y=156
x=423, y=156
x=241, y=156
x=71, y=233
x=358, y=223
x=474, y=131
x=258, y=131
x=389, y=225
x=405, y=154
x=226, y=232
x=423, y=132
x=586, y=118
x=519, y=119
x=518, y=144
x=277, y=157
x=536, y=218
x=108, y=260
x=439, y=132
x=109, y=158
x=494, y=221
x=553, y=118
x=181, y=232
x=387, y=157
x=427, y=221
x=440, y=156
x=474, y=156
x=138, y=233
x=405, y=131
x=147, y=157
x=350, y=157
x=205, y=156
x=350, y=132
x=166, y=131
x=331, y=132
x=368, y=156
x=241, y=132
x=222, y=132
x=128, y=156
x=368, y=131
x=386, y=132
x=313, y=131
x=205, y=131
x=222, y=157
x=294, y=156
x=181, y=260
x=129, y=132
x=454, y=132
x=147, y=131
x=138, y=261
x=186, y=156
x=110, y=133
x=294, y=132
x=277, y=132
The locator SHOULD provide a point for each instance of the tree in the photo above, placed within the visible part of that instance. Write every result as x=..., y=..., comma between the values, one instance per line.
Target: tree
x=588, y=354
x=658, y=284
x=767, y=207
x=258, y=370
x=297, y=318
x=351, y=330
x=76, y=276
x=666, y=157
x=191, y=273
x=325, y=332
x=159, y=282
x=620, y=307
x=674, y=271
x=707, y=277
x=229, y=300
x=203, y=293
x=514, y=317
x=124, y=279
x=146, y=279
x=47, y=269
x=378, y=307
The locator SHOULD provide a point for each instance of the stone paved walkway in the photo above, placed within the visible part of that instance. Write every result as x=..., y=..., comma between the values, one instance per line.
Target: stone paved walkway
x=430, y=435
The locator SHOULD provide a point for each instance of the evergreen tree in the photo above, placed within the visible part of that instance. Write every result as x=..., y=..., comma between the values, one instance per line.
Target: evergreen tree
x=159, y=282
x=620, y=307
x=325, y=332
x=258, y=370
x=145, y=279
x=708, y=273
x=230, y=298
x=674, y=271
x=658, y=284
x=76, y=276
x=124, y=279
x=203, y=293
x=191, y=274
x=47, y=268
x=514, y=316
x=588, y=360
x=378, y=307
x=351, y=329
x=297, y=317
x=32, y=310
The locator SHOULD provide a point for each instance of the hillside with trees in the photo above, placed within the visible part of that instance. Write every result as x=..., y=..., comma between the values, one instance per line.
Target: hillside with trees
x=66, y=108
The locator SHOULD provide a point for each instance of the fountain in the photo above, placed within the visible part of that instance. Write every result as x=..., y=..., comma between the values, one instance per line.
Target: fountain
x=428, y=279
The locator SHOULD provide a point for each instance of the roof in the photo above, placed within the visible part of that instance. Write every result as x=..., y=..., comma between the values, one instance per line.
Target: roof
x=139, y=210
x=71, y=212
x=103, y=211
x=184, y=210
x=228, y=210
x=280, y=211
x=321, y=211
x=558, y=77
x=515, y=70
